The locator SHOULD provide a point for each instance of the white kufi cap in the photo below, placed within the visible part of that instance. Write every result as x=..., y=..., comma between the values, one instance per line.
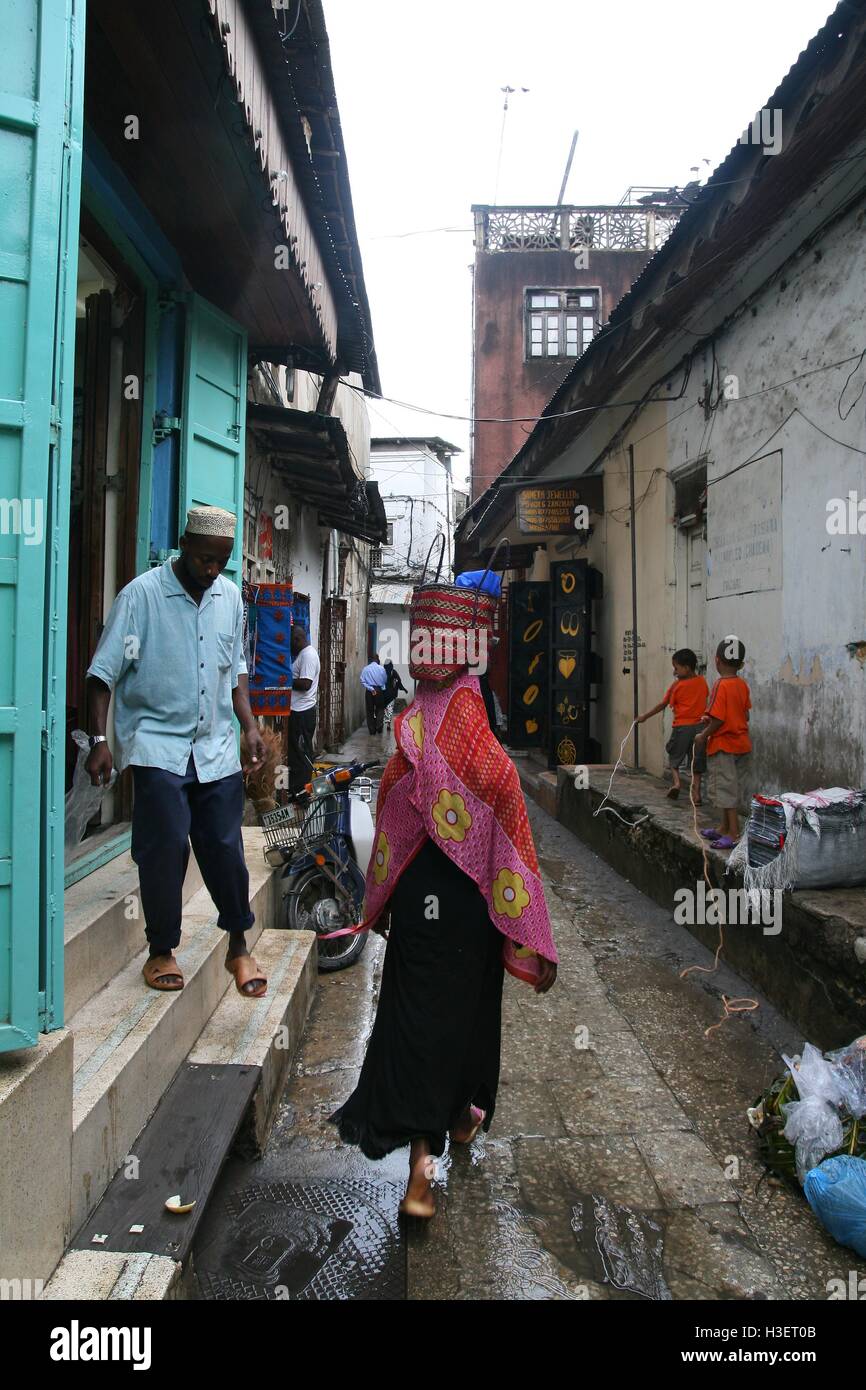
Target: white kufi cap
x=211, y=521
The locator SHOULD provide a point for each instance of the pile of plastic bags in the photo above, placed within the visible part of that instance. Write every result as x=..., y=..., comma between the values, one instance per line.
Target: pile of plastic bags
x=812, y=1124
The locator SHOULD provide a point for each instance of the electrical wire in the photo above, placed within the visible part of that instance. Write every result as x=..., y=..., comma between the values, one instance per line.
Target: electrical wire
x=752, y=395
x=419, y=231
x=852, y=373
x=284, y=37
x=501, y=419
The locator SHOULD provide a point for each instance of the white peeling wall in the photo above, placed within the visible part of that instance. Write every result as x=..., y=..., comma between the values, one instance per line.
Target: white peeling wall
x=808, y=587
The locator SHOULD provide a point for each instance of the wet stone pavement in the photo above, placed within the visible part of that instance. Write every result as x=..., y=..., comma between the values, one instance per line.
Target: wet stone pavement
x=619, y=1165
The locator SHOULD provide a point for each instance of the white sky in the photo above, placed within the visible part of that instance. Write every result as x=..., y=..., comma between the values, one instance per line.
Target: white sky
x=653, y=88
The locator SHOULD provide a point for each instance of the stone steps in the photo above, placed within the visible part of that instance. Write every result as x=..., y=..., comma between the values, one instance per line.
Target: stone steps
x=103, y=927
x=262, y=1037
x=93, y=1085
x=130, y=1040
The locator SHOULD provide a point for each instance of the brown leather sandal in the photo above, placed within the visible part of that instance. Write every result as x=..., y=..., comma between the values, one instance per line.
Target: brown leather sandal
x=246, y=971
x=162, y=972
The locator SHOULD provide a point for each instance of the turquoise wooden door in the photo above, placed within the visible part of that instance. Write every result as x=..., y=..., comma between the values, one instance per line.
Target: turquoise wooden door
x=214, y=417
x=41, y=90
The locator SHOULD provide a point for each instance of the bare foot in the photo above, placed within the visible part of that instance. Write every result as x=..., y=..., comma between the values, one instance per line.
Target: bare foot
x=419, y=1199
x=468, y=1125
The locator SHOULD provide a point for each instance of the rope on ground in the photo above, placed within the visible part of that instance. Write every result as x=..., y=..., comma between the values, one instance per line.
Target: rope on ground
x=731, y=1006
x=618, y=764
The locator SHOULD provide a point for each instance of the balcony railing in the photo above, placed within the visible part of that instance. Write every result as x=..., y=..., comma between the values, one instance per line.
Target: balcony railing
x=573, y=229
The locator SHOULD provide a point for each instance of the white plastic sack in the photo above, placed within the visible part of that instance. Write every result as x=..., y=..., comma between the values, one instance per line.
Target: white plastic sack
x=849, y=1064
x=82, y=799
x=813, y=1123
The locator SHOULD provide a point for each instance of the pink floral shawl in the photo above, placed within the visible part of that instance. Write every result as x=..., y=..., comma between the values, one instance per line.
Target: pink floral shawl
x=451, y=780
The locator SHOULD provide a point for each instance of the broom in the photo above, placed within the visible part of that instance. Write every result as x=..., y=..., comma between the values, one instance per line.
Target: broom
x=260, y=779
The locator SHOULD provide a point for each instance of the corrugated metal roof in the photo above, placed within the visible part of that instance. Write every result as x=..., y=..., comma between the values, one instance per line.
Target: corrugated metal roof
x=395, y=595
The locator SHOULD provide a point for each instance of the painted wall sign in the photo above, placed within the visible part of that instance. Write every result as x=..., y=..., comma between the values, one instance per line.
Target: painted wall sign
x=744, y=529
x=548, y=510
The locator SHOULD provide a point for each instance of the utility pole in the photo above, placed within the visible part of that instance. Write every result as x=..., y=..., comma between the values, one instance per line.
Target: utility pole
x=559, y=200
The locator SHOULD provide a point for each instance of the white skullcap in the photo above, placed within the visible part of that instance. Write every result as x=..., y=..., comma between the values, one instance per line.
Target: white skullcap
x=211, y=521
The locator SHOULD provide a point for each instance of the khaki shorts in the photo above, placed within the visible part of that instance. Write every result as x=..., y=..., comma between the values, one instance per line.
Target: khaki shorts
x=728, y=772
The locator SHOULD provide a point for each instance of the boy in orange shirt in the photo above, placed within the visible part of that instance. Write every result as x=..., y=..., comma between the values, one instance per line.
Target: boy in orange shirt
x=726, y=738
x=687, y=697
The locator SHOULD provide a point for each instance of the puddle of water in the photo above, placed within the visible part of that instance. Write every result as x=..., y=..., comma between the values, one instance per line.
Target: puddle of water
x=628, y=1243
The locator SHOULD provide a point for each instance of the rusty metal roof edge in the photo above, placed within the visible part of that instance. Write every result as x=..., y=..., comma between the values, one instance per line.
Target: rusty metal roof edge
x=354, y=301
x=263, y=417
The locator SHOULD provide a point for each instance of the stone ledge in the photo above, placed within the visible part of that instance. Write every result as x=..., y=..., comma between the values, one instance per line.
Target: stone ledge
x=247, y=1034
x=810, y=970
x=102, y=1275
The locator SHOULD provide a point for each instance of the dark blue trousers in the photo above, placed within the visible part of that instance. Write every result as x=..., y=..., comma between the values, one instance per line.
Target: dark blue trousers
x=169, y=813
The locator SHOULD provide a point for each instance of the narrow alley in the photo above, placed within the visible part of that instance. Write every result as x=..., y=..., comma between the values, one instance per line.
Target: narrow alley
x=433, y=668
x=620, y=1163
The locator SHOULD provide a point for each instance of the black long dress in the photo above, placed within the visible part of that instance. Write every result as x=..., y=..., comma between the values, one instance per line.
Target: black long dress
x=436, y=1038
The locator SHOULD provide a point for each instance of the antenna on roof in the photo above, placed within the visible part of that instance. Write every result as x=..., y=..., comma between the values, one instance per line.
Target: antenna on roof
x=567, y=168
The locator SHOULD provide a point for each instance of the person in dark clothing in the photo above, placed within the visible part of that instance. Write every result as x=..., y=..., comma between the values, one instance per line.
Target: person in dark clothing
x=393, y=685
x=487, y=697
x=486, y=690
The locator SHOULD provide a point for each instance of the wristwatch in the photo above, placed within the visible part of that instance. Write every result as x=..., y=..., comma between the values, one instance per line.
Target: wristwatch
x=96, y=738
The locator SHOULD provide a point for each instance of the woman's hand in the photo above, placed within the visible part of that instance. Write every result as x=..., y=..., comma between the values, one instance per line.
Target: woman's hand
x=382, y=924
x=546, y=975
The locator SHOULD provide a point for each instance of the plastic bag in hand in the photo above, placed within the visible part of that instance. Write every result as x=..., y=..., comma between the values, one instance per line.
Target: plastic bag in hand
x=82, y=799
x=836, y=1191
x=812, y=1123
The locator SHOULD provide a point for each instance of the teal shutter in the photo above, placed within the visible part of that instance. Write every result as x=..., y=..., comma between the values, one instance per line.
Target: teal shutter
x=41, y=94
x=214, y=416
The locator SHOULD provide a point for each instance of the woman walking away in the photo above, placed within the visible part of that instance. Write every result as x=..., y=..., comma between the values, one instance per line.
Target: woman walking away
x=454, y=882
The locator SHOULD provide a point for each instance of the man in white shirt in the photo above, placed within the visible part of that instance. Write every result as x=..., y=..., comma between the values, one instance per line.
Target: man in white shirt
x=305, y=699
x=374, y=679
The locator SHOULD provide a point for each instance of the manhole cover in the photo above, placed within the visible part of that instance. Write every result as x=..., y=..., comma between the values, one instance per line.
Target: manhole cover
x=304, y=1241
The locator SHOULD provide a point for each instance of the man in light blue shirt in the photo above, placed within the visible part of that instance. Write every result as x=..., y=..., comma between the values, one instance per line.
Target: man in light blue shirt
x=172, y=651
x=374, y=678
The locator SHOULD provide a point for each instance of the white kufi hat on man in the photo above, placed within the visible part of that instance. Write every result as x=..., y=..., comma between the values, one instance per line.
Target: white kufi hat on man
x=211, y=521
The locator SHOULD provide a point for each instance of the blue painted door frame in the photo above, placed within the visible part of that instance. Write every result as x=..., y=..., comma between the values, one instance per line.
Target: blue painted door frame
x=195, y=372
x=41, y=107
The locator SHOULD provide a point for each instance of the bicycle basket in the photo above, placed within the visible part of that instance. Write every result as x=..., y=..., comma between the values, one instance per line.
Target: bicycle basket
x=310, y=823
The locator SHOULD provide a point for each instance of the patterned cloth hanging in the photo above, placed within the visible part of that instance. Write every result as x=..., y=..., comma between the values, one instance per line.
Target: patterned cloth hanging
x=269, y=628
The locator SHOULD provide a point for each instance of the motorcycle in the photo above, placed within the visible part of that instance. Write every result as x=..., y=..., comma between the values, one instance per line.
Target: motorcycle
x=322, y=839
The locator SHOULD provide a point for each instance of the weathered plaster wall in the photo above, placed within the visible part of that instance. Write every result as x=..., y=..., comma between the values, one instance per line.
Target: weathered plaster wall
x=806, y=589
x=808, y=692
